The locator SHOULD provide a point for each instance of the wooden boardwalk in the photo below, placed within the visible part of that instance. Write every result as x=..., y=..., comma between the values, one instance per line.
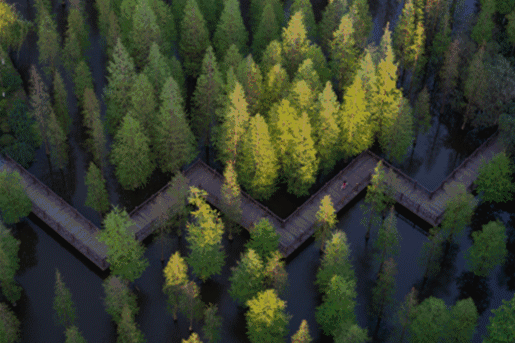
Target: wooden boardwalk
x=293, y=231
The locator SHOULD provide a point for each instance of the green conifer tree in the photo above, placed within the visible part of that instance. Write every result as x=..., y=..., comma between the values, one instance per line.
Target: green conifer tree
x=194, y=38
x=230, y=30
x=308, y=16
x=145, y=31
x=157, y=69
x=361, y=22
x=294, y=43
x=267, y=31
x=57, y=139
x=231, y=200
x=251, y=79
x=344, y=55
x=14, y=201
x=247, y=278
x=232, y=58
x=48, y=44
x=65, y=311
x=275, y=87
x=97, y=197
x=82, y=79
x=9, y=265
x=272, y=55
x=331, y=17
x=61, y=103
x=482, y=32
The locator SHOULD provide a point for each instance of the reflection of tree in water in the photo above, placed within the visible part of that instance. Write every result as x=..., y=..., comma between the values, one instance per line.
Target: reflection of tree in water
x=434, y=148
x=483, y=214
x=509, y=265
x=27, y=252
x=475, y=287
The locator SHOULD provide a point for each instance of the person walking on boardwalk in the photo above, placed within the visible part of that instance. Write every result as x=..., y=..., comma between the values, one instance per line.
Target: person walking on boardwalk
x=344, y=184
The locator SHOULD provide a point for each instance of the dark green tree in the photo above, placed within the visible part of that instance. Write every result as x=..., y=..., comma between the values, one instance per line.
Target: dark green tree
x=475, y=86
x=431, y=254
x=211, y=11
x=166, y=21
x=361, y=22
x=14, y=201
x=421, y=114
x=58, y=146
x=230, y=30
x=194, y=38
x=403, y=37
x=97, y=136
x=39, y=107
x=73, y=335
x=427, y=322
x=249, y=75
x=331, y=17
x=9, y=324
x=267, y=31
x=212, y=324
x=494, y=181
x=145, y=31
x=247, y=278
x=48, y=43
x=60, y=98
x=275, y=87
x=404, y=314
x=458, y=212
x=450, y=71
x=128, y=331
x=64, y=308
x=257, y=8
x=442, y=39
x=383, y=291
x=76, y=41
x=157, y=68
x=499, y=326
x=232, y=58
x=302, y=334
x=231, y=200
x=190, y=303
x=463, y=321
x=82, y=79
x=352, y=333
x=482, y=32
x=9, y=265
x=272, y=56
x=387, y=243
x=320, y=64
x=97, y=197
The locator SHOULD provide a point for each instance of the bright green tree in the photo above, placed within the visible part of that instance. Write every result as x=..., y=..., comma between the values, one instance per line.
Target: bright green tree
x=276, y=85
x=131, y=155
x=387, y=243
x=344, y=55
x=272, y=56
x=403, y=37
x=204, y=235
x=257, y=165
x=331, y=17
x=97, y=136
x=302, y=334
x=428, y=321
x=124, y=252
x=176, y=275
x=73, y=335
x=302, y=98
x=231, y=200
x=494, y=181
x=57, y=139
x=295, y=43
x=14, y=27
x=421, y=114
x=64, y=308
x=145, y=31
x=337, y=304
x=48, y=44
x=308, y=16
x=230, y=30
x=97, y=197
x=361, y=22
x=247, y=278
x=14, y=201
x=249, y=75
x=128, y=331
x=9, y=265
x=267, y=31
x=264, y=240
x=367, y=71
x=325, y=221
x=194, y=38
x=190, y=303
x=120, y=79
x=489, y=249
x=335, y=261
x=212, y=324
x=384, y=290
x=61, y=103
x=458, y=212
x=157, y=68
x=267, y=320
x=475, y=86
x=194, y=338
x=9, y=325
x=500, y=328
x=485, y=25
x=463, y=321
x=117, y=296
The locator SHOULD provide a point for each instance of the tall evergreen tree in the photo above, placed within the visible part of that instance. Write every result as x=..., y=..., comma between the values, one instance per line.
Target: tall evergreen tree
x=230, y=30
x=344, y=55
x=320, y=64
x=272, y=55
x=257, y=165
x=58, y=146
x=174, y=143
x=264, y=240
x=176, y=275
x=157, y=68
x=257, y=8
x=325, y=221
x=463, y=321
x=384, y=290
x=275, y=87
x=308, y=16
x=331, y=18
x=458, y=212
x=403, y=36
x=231, y=200
x=124, y=253
x=127, y=329
x=9, y=264
x=120, y=79
x=510, y=29
x=294, y=43
x=267, y=31
x=82, y=79
x=145, y=31
x=232, y=58
x=71, y=51
x=421, y=114
x=307, y=72
x=211, y=11
x=212, y=324
x=97, y=137
x=76, y=41
x=48, y=43
x=114, y=32
x=276, y=276
x=131, y=154
x=249, y=75
x=499, y=326
x=39, y=102
x=450, y=71
x=178, y=74
x=442, y=38
x=482, y=32
x=475, y=86
x=194, y=38
x=302, y=334
x=494, y=181
x=73, y=335
x=60, y=98
x=63, y=305
x=404, y=313
x=14, y=201
x=387, y=242
x=361, y=22
x=9, y=324
x=427, y=322
x=97, y=197
x=166, y=22
x=178, y=12
x=431, y=254
x=247, y=278
x=190, y=303
x=417, y=49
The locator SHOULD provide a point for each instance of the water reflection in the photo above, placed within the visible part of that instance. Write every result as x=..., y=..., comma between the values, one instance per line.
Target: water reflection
x=476, y=287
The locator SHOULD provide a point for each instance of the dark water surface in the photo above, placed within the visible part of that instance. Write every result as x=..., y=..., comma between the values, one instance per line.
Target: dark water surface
x=437, y=153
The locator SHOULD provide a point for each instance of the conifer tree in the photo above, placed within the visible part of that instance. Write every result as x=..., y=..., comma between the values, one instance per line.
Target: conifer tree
x=76, y=41
x=331, y=17
x=40, y=107
x=427, y=322
x=48, y=43
x=450, y=71
x=362, y=23
x=276, y=276
x=178, y=74
x=9, y=324
x=178, y=12
x=231, y=200
x=367, y=71
x=257, y=165
x=176, y=275
x=499, y=326
x=302, y=334
x=91, y=119
x=230, y=30
x=326, y=130
x=308, y=17
x=257, y=8
x=475, y=86
x=127, y=329
x=232, y=58
x=463, y=321
x=192, y=339
x=404, y=313
x=275, y=87
x=316, y=55
x=207, y=98
x=494, y=181
x=14, y=201
x=211, y=11
x=9, y=265
x=204, y=235
x=131, y=154
x=325, y=221
x=125, y=13
x=114, y=32
x=294, y=43
x=417, y=50
x=431, y=254
x=82, y=79
x=458, y=212
x=264, y=240
x=190, y=303
x=14, y=27
x=344, y=55
x=272, y=55
x=157, y=69
x=119, y=82
x=421, y=114
x=97, y=197
x=352, y=333
x=194, y=38
x=308, y=73
x=442, y=38
x=103, y=9
x=57, y=140
x=124, y=253
x=384, y=290
x=60, y=97
x=165, y=21
x=73, y=335
x=145, y=31
x=432, y=14
x=247, y=278
x=212, y=324
x=252, y=81
x=63, y=305
x=174, y=143
x=303, y=98
x=266, y=318
x=233, y=127
x=387, y=243
x=403, y=36
x=71, y=51
x=267, y=31
x=482, y=32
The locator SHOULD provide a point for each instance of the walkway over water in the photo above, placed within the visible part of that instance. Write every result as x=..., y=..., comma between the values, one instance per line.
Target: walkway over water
x=293, y=231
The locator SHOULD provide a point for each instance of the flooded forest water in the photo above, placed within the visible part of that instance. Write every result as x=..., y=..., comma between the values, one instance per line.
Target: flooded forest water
x=437, y=153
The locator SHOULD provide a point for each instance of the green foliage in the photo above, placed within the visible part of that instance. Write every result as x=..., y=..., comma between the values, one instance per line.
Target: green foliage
x=266, y=318
x=442, y=39
x=178, y=74
x=504, y=7
x=331, y=17
x=143, y=107
x=174, y=142
x=428, y=321
x=64, y=308
x=165, y=21
x=404, y=34
x=204, y=235
x=190, y=303
x=463, y=321
x=316, y=55
x=232, y=58
x=488, y=250
x=103, y=7
x=458, y=211
x=212, y=324
x=305, y=7
x=179, y=191
x=120, y=79
x=475, y=86
x=267, y=31
x=494, y=181
x=510, y=27
x=302, y=334
x=114, y=32
x=178, y=11
x=71, y=51
x=387, y=242
x=14, y=201
x=91, y=119
x=361, y=22
x=176, y=275
x=483, y=29
x=76, y=42
x=9, y=325
x=57, y=140
x=157, y=68
x=48, y=44
x=61, y=103
x=352, y=334
x=128, y=331
x=9, y=264
x=431, y=254
x=125, y=13
x=145, y=31
x=500, y=328
x=272, y=56
x=308, y=73
x=344, y=55
x=192, y=339
x=14, y=28
x=73, y=335
x=131, y=155
x=335, y=261
x=264, y=240
x=212, y=10
x=450, y=71
x=403, y=316
x=231, y=200
x=117, y=296
x=251, y=79
x=230, y=30
x=257, y=8
x=124, y=252
x=276, y=276
x=295, y=43
x=257, y=164
x=337, y=305
x=247, y=278
x=325, y=220
x=275, y=87
x=40, y=108
x=97, y=197
x=384, y=289
x=194, y=38
x=82, y=79
x=421, y=113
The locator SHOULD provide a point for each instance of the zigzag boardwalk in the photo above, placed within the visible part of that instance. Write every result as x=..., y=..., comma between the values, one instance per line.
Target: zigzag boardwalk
x=293, y=231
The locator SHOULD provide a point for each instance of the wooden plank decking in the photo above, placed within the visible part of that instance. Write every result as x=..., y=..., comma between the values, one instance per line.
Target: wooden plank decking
x=293, y=231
